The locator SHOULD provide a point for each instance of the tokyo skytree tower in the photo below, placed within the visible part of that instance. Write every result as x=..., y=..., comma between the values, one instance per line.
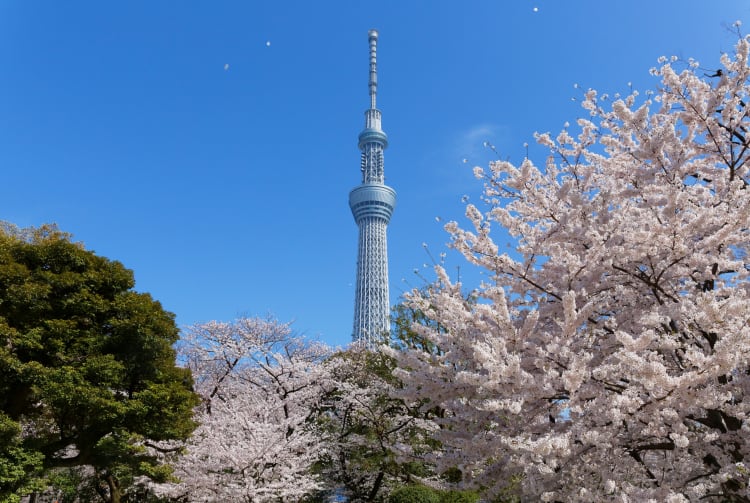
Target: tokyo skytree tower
x=372, y=204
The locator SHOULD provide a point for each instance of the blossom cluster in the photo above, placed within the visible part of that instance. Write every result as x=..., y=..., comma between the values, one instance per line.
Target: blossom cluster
x=260, y=384
x=608, y=357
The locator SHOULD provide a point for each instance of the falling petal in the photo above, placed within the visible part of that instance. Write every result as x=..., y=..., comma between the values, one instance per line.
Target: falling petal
x=226, y=66
x=268, y=43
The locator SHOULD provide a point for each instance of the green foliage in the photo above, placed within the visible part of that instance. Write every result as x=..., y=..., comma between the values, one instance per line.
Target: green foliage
x=404, y=336
x=454, y=496
x=414, y=494
x=86, y=363
x=363, y=421
x=71, y=485
x=19, y=467
x=423, y=494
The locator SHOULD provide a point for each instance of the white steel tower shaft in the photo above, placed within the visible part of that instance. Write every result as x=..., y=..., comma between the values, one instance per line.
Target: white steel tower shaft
x=372, y=205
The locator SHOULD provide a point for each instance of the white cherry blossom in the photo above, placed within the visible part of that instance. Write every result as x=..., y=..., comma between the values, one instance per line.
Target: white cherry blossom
x=255, y=441
x=608, y=357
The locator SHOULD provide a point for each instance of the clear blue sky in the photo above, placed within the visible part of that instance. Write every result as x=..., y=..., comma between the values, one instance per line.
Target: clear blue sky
x=225, y=187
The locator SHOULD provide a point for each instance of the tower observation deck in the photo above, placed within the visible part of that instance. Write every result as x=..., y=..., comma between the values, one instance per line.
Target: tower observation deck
x=372, y=203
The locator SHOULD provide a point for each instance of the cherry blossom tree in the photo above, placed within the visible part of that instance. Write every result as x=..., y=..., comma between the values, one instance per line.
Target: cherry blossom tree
x=608, y=358
x=260, y=386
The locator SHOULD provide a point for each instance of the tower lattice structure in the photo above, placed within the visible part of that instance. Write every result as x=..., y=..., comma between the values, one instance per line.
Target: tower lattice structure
x=372, y=204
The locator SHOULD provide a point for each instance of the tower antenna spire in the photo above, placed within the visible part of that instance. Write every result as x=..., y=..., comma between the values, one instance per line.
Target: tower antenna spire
x=373, y=38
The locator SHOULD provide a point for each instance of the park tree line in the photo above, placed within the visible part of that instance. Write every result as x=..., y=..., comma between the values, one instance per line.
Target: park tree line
x=606, y=358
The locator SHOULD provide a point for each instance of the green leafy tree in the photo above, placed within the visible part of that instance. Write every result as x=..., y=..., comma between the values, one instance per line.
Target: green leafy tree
x=379, y=442
x=367, y=429
x=87, y=367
